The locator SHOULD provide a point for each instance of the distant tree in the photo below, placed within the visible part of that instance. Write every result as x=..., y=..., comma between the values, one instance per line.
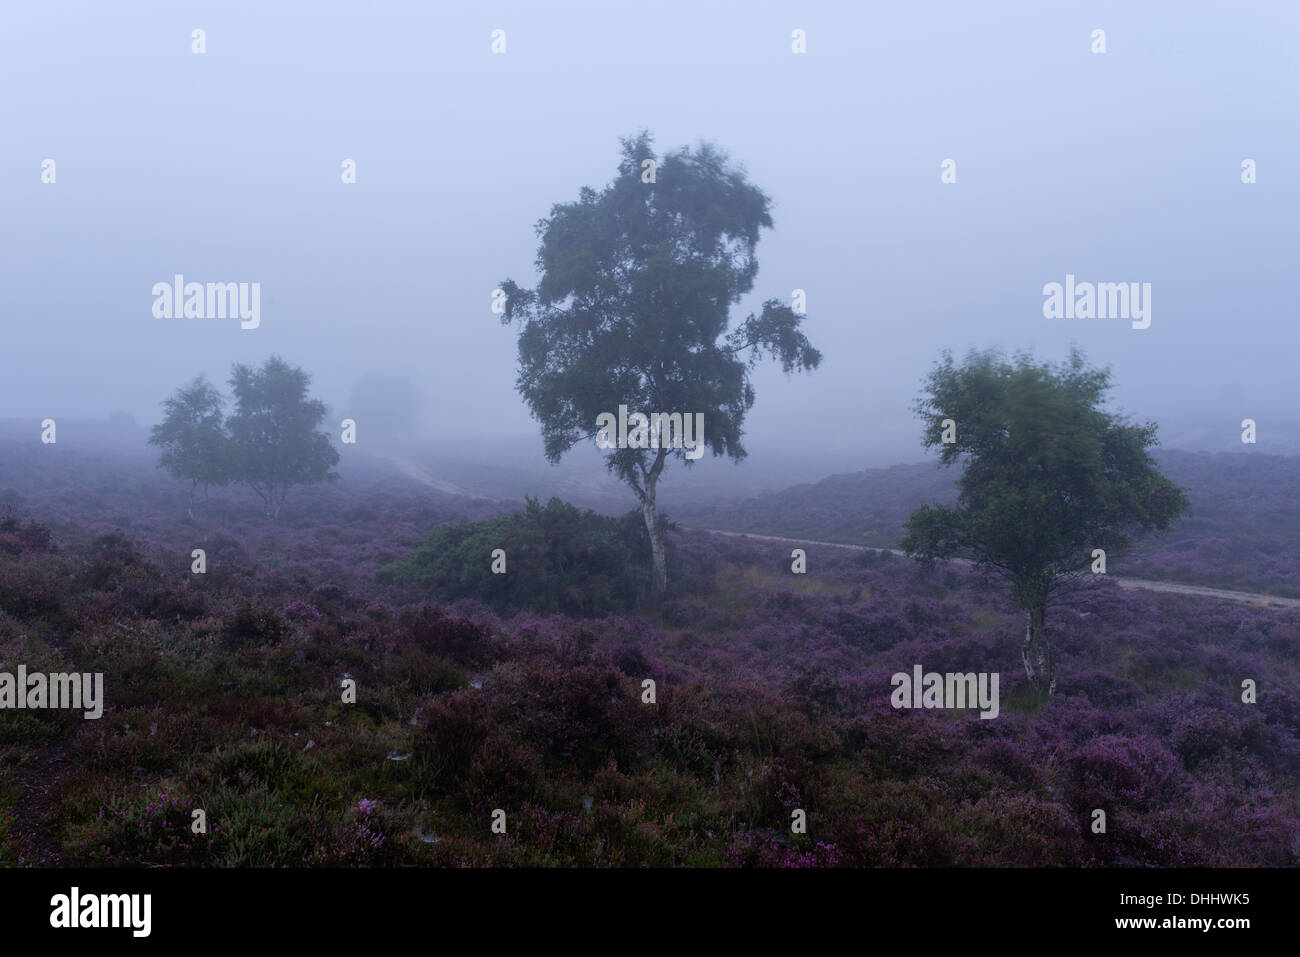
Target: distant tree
x=274, y=444
x=637, y=283
x=1049, y=476
x=193, y=438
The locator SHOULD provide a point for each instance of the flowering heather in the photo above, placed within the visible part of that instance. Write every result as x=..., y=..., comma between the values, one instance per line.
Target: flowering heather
x=772, y=695
x=300, y=611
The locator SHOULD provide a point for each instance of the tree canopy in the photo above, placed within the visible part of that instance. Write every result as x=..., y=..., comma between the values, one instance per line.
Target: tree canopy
x=1049, y=476
x=269, y=442
x=633, y=309
x=192, y=436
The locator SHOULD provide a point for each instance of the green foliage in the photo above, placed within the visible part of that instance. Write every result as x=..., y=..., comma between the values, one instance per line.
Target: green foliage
x=259, y=828
x=139, y=829
x=274, y=444
x=633, y=308
x=269, y=442
x=558, y=559
x=192, y=435
x=1049, y=475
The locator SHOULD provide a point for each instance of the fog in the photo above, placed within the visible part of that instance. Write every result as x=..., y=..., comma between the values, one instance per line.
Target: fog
x=226, y=167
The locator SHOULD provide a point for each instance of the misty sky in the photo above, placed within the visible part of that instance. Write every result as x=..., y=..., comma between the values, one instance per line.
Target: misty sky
x=226, y=167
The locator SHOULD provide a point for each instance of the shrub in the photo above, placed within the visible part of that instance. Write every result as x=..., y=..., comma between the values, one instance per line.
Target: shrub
x=559, y=559
x=1112, y=771
x=129, y=832
x=252, y=626
x=31, y=588
x=300, y=611
x=455, y=726
x=431, y=630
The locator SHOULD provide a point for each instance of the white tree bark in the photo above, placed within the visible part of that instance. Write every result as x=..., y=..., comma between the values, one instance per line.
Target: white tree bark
x=651, y=516
x=1037, y=653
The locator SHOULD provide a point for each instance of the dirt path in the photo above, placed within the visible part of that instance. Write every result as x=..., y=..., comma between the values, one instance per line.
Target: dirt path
x=1142, y=584
x=417, y=473
x=38, y=777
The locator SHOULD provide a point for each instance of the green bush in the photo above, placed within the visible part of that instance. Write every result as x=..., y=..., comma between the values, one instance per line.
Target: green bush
x=559, y=559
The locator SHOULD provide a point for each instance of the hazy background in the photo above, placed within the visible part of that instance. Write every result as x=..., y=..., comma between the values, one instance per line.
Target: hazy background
x=226, y=167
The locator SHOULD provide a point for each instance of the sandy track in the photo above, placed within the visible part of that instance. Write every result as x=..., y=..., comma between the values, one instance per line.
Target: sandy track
x=1142, y=584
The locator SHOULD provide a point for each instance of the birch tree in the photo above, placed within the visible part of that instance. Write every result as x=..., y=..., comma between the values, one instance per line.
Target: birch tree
x=633, y=308
x=1049, y=477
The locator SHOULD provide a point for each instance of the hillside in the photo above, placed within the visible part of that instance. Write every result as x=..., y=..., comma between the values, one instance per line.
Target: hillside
x=1242, y=533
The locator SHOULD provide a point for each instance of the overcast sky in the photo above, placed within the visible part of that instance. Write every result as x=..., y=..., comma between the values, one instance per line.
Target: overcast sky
x=225, y=166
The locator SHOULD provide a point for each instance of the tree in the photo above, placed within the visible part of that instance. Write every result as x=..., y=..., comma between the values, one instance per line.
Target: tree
x=273, y=442
x=1049, y=477
x=632, y=309
x=193, y=438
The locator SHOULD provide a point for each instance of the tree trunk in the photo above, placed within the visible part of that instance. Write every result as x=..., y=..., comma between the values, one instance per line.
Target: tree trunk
x=659, y=581
x=193, y=486
x=1037, y=652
